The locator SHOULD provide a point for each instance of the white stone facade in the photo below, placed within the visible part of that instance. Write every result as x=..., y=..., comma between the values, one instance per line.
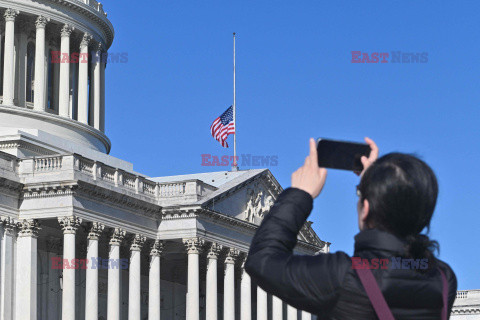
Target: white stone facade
x=84, y=236
x=175, y=237
x=467, y=305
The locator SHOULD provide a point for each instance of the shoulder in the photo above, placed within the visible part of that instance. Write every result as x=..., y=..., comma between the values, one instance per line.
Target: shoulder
x=449, y=273
x=334, y=265
x=451, y=279
x=325, y=272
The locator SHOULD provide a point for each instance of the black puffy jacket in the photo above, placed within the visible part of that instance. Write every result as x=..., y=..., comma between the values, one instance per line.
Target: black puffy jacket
x=326, y=284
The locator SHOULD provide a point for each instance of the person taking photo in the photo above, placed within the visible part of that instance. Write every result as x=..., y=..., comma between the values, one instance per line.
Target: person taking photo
x=397, y=195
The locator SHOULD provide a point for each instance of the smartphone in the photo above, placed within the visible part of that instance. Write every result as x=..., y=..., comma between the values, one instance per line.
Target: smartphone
x=341, y=154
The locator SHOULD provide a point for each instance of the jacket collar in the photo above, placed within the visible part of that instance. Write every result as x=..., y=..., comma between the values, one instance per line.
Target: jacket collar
x=374, y=239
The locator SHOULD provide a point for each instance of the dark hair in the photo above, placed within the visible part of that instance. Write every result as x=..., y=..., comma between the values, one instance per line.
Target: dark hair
x=402, y=193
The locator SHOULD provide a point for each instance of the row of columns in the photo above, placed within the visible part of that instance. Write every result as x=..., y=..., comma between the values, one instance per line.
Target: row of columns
x=26, y=286
x=26, y=292
x=95, y=98
x=194, y=247
x=69, y=226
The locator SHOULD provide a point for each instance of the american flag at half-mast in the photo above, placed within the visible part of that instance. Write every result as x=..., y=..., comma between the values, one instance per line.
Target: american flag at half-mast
x=223, y=126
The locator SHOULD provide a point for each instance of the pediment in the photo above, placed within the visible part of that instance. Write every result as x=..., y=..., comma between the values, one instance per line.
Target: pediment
x=251, y=200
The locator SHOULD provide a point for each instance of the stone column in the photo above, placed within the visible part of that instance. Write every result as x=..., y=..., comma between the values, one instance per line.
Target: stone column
x=113, y=294
x=277, y=308
x=306, y=315
x=69, y=227
x=40, y=87
x=83, y=79
x=262, y=304
x=193, y=246
x=96, y=85
x=212, y=289
x=6, y=268
x=26, y=281
x=9, y=57
x=134, y=278
x=246, y=295
x=229, y=285
x=154, y=281
x=291, y=313
x=91, y=296
x=64, y=85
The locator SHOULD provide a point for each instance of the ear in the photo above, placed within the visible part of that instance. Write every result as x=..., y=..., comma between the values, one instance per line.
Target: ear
x=365, y=211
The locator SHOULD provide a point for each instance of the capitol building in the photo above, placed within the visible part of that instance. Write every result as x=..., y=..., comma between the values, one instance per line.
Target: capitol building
x=83, y=235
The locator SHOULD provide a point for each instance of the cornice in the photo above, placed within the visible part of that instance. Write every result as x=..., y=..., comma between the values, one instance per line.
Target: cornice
x=180, y=213
x=149, y=209
x=226, y=219
x=64, y=188
x=45, y=116
x=311, y=236
x=465, y=310
x=49, y=190
x=311, y=247
x=73, y=5
x=9, y=185
x=94, y=15
x=19, y=144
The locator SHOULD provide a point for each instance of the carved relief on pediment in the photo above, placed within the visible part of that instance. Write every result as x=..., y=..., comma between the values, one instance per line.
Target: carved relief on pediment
x=258, y=203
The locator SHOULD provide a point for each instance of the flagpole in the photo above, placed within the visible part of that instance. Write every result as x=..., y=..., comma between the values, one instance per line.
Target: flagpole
x=235, y=165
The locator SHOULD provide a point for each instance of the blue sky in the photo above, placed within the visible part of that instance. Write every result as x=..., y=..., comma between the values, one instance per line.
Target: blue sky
x=295, y=80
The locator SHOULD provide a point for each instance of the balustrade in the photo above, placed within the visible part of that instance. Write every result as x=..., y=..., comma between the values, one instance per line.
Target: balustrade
x=32, y=168
x=48, y=164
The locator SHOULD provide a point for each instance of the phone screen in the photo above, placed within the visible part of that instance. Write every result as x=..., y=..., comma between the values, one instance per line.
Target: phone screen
x=341, y=155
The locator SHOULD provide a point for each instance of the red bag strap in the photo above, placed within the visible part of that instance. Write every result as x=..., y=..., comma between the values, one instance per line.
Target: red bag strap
x=445, y=295
x=374, y=294
x=378, y=300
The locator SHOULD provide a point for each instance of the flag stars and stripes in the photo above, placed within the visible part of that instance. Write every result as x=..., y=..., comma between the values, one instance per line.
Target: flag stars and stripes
x=223, y=126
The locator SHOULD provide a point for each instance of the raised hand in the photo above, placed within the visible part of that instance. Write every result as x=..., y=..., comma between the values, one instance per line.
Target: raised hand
x=367, y=162
x=310, y=177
